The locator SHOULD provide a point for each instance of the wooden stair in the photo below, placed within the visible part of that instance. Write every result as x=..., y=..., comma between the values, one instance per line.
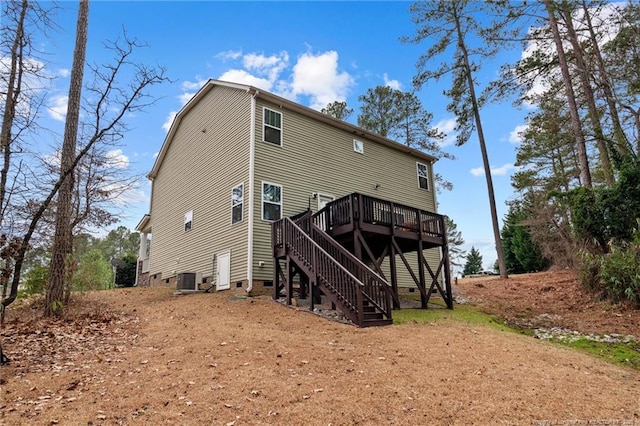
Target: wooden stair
x=359, y=292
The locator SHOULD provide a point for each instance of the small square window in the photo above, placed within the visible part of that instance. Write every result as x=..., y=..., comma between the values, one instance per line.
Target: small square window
x=423, y=176
x=358, y=146
x=188, y=221
x=272, y=129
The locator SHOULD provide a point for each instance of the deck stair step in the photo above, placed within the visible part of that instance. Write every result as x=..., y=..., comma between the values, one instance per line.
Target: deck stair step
x=333, y=275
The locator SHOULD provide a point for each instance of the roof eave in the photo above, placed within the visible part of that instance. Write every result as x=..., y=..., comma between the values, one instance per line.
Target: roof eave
x=144, y=222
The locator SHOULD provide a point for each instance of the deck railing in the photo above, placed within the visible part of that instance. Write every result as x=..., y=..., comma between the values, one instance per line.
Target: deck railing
x=303, y=220
x=376, y=211
x=340, y=213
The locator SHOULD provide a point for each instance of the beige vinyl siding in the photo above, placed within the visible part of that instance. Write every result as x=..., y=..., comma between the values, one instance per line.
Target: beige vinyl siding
x=316, y=157
x=208, y=156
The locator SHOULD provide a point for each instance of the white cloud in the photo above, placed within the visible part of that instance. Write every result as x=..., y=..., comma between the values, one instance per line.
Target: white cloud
x=64, y=72
x=315, y=76
x=193, y=85
x=447, y=127
x=478, y=171
x=495, y=171
x=169, y=121
x=189, y=89
x=117, y=159
x=515, y=136
x=37, y=80
x=243, y=77
x=504, y=170
x=269, y=66
x=58, y=107
x=318, y=77
x=229, y=54
x=185, y=97
x=394, y=84
x=52, y=159
x=126, y=196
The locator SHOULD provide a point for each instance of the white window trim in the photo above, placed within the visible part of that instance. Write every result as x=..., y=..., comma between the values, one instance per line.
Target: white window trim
x=262, y=200
x=241, y=184
x=355, y=149
x=322, y=194
x=418, y=176
x=188, y=215
x=264, y=109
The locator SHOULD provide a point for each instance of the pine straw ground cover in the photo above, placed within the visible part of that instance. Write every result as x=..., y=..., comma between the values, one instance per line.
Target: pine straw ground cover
x=144, y=356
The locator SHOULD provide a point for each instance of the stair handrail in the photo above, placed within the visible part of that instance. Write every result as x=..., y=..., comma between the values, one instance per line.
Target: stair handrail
x=303, y=245
x=377, y=289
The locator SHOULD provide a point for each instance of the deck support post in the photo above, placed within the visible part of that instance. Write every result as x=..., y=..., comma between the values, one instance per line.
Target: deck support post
x=276, y=278
x=376, y=262
x=357, y=245
x=289, y=280
x=393, y=269
x=423, y=293
x=447, y=276
x=422, y=284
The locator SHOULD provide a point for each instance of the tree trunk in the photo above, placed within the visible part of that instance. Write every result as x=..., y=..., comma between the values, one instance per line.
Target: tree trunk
x=62, y=240
x=14, y=85
x=576, y=124
x=483, y=149
x=622, y=142
x=594, y=116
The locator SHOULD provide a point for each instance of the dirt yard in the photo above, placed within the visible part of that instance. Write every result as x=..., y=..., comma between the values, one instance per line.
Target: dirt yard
x=144, y=356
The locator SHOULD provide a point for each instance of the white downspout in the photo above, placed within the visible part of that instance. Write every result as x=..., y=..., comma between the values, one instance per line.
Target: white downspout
x=252, y=153
x=435, y=208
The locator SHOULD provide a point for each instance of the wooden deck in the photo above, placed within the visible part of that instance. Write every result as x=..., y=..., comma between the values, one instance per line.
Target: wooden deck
x=374, y=229
x=358, y=233
x=377, y=220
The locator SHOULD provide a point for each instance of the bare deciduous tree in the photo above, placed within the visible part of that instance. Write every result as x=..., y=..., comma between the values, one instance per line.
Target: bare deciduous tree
x=112, y=98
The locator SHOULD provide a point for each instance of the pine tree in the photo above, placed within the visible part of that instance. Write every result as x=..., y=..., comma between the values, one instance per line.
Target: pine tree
x=455, y=28
x=521, y=254
x=338, y=110
x=62, y=242
x=454, y=242
x=474, y=262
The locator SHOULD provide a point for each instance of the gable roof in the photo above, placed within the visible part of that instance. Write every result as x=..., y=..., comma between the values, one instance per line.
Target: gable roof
x=285, y=104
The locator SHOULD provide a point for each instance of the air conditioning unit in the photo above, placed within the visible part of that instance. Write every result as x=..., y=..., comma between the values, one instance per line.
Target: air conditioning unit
x=188, y=281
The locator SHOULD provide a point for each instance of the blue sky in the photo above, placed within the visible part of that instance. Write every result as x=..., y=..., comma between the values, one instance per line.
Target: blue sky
x=311, y=52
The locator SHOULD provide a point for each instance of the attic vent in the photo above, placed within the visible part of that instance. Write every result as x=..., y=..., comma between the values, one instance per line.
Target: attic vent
x=188, y=281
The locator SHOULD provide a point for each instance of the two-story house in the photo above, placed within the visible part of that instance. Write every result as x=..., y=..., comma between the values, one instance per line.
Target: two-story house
x=237, y=158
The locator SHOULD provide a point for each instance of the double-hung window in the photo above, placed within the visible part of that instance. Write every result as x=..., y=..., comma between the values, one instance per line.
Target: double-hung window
x=272, y=128
x=271, y=201
x=423, y=176
x=237, y=201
